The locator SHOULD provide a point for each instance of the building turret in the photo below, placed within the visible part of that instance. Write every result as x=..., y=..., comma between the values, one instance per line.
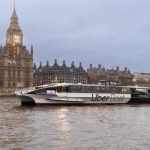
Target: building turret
x=40, y=65
x=91, y=66
x=34, y=66
x=64, y=64
x=55, y=64
x=80, y=65
x=99, y=66
x=47, y=63
x=31, y=50
x=72, y=64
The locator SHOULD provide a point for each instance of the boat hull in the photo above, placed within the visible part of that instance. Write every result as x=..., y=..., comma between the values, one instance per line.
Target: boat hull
x=74, y=99
x=83, y=94
x=26, y=100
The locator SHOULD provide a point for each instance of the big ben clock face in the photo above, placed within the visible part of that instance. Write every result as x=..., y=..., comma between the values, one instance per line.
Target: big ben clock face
x=16, y=39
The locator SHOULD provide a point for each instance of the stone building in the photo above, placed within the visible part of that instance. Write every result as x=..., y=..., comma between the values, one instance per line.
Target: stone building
x=58, y=74
x=16, y=62
x=95, y=74
x=141, y=78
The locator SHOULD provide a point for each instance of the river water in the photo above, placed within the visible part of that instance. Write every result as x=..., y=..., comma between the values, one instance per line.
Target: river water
x=106, y=127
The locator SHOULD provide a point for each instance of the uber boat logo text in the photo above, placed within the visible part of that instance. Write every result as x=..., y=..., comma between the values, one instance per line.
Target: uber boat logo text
x=107, y=98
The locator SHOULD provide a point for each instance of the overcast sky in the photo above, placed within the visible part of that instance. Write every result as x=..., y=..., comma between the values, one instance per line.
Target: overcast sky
x=108, y=32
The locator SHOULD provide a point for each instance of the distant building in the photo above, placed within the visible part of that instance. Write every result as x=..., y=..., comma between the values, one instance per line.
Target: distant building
x=58, y=74
x=95, y=74
x=16, y=62
x=141, y=79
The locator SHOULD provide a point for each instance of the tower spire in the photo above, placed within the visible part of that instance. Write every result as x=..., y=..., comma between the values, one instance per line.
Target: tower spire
x=14, y=20
x=14, y=15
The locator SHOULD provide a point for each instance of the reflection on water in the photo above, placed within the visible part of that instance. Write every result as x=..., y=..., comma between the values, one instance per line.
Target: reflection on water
x=63, y=123
x=73, y=128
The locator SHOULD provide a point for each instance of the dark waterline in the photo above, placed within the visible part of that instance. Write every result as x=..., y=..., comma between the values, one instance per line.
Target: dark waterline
x=103, y=127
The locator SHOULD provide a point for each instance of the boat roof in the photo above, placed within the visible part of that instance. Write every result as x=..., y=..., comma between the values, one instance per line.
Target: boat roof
x=42, y=87
x=90, y=85
x=75, y=84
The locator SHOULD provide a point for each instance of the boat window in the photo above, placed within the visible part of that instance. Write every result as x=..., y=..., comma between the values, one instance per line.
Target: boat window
x=39, y=91
x=83, y=89
x=50, y=91
x=32, y=92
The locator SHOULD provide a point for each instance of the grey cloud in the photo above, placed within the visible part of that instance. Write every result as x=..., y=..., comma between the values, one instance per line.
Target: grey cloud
x=92, y=31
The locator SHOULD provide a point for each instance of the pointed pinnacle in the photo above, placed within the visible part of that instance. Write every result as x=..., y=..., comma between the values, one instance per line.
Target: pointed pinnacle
x=14, y=15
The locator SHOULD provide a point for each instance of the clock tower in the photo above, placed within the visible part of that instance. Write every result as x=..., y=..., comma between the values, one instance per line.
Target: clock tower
x=14, y=37
x=16, y=61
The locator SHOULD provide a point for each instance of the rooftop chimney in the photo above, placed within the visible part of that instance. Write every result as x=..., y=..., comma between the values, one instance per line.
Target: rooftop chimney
x=40, y=65
x=72, y=64
x=117, y=68
x=47, y=63
x=91, y=66
x=99, y=66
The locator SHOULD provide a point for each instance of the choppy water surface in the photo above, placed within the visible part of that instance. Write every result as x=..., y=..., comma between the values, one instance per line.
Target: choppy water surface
x=106, y=127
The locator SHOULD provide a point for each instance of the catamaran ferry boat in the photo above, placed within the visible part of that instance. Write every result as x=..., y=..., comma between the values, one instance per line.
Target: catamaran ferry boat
x=75, y=94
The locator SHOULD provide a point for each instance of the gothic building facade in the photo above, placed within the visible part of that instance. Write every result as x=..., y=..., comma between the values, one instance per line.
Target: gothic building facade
x=58, y=74
x=16, y=62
